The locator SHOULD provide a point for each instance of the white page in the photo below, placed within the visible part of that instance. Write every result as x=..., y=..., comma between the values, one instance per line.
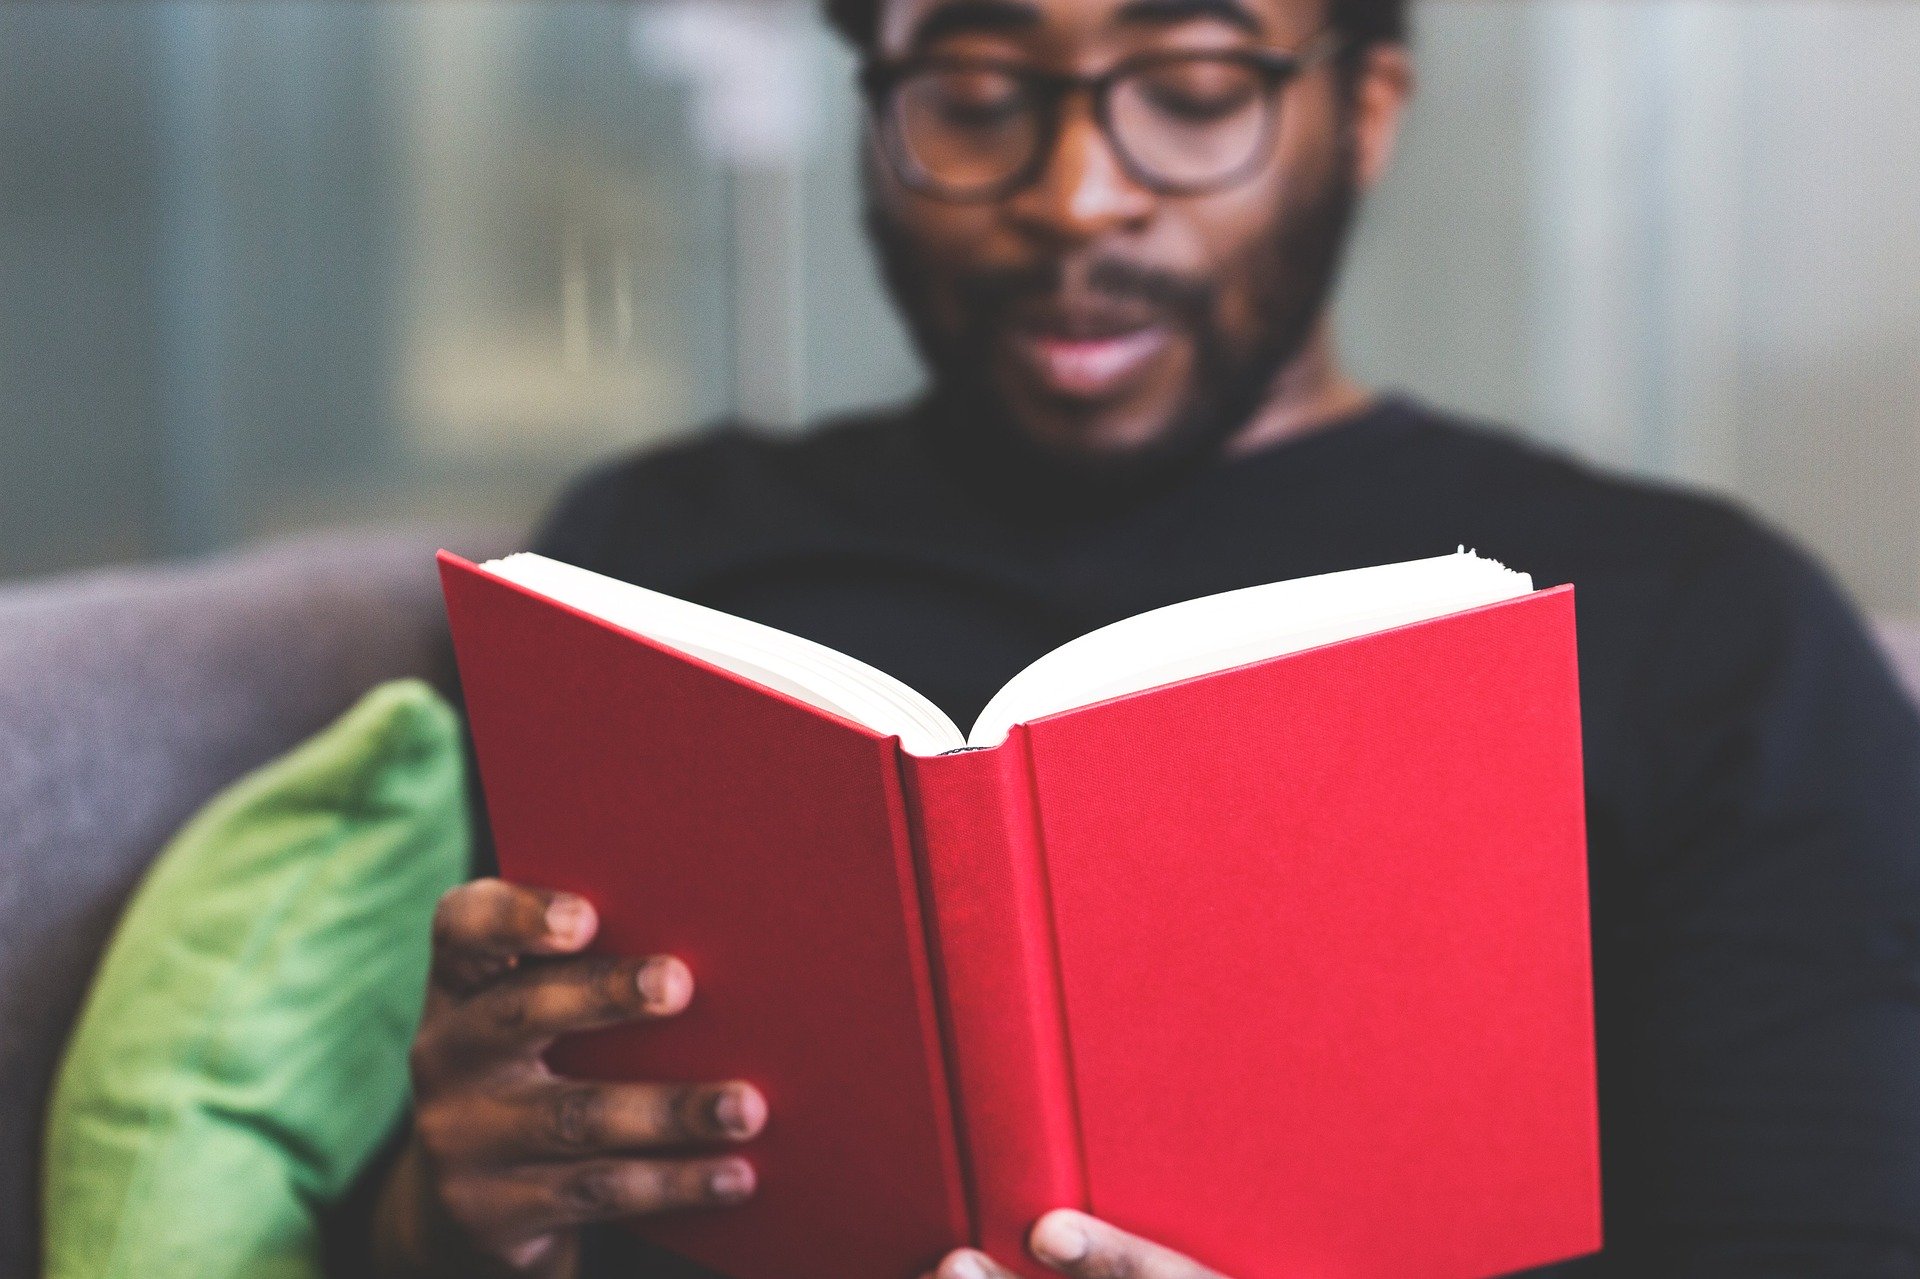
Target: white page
x=1145, y=651
x=1236, y=627
x=800, y=668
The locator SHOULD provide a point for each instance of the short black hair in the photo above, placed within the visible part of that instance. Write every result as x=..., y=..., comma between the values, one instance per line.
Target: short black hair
x=1359, y=23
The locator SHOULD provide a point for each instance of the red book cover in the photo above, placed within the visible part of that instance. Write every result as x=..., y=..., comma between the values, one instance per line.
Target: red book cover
x=1284, y=966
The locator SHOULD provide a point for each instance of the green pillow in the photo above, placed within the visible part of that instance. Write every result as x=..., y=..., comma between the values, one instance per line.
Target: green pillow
x=243, y=1050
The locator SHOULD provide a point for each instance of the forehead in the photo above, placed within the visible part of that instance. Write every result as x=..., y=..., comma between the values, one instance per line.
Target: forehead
x=908, y=25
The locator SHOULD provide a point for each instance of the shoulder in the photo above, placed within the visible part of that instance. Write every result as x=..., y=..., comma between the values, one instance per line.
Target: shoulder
x=724, y=482
x=1574, y=519
x=1681, y=593
x=1657, y=534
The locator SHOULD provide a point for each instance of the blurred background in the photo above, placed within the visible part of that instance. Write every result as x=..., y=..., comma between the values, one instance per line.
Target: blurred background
x=273, y=266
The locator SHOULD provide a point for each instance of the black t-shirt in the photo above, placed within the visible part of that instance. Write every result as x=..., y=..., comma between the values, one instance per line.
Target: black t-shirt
x=1752, y=768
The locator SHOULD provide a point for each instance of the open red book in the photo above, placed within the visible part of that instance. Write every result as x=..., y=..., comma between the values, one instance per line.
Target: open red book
x=1256, y=925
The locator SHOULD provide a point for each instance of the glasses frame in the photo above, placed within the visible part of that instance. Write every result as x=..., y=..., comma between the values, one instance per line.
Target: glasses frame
x=1050, y=90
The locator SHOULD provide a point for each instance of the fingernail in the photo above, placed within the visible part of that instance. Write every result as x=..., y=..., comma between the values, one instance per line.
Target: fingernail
x=731, y=1181
x=1057, y=1239
x=568, y=919
x=664, y=984
x=965, y=1265
x=739, y=1111
x=532, y=1251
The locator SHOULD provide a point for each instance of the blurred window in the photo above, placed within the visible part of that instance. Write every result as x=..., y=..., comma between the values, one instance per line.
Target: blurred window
x=271, y=265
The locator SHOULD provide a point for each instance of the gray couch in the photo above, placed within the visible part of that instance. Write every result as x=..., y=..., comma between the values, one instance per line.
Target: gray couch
x=128, y=697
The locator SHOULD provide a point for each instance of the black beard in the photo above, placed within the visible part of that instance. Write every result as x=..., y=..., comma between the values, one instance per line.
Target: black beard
x=970, y=421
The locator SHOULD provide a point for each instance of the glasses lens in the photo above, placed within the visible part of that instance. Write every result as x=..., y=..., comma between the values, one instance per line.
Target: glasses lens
x=1193, y=121
x=965, y=128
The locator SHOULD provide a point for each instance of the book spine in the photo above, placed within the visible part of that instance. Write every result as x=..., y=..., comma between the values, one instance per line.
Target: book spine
x=990, y=926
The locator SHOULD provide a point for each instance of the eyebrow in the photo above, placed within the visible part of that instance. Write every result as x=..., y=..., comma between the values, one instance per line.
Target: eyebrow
x=958, y=16
x=1166, y=13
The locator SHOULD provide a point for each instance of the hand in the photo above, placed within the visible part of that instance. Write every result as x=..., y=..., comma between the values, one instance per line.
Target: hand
x=506, y=1161
x=1078, y=1245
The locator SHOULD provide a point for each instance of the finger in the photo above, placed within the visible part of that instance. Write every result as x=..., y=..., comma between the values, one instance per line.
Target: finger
x=1087, y=1248
x=588, y=1191
x=516, y=1215
x=530, y=1008
x=569, y=1119
x=965, y=1263
x=481, y=928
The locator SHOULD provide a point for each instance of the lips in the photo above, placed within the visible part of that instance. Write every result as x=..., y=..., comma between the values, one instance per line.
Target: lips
x=1086, y=353
x=1088, y=368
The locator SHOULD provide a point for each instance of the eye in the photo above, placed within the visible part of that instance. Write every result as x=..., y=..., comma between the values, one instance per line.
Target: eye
x=972, y=99
x=1198, y=92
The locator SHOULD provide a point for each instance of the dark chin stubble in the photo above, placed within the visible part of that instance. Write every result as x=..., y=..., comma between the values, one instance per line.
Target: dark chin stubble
x=1293, y=277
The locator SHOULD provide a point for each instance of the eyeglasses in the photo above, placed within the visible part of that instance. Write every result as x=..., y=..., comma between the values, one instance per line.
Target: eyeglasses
x=1180, y=122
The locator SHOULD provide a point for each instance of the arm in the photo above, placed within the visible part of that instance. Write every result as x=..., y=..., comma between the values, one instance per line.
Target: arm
x=1757, y=942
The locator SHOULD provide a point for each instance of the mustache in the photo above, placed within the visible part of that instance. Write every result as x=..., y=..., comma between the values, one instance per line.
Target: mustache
x=996, y=289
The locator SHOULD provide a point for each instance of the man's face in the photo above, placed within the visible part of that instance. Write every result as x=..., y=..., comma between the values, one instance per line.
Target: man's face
x=1105, y=320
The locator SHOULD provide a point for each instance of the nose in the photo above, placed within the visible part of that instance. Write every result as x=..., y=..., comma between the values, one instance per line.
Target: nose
x=1083, y=191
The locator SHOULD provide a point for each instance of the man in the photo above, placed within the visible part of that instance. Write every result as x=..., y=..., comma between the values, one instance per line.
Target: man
x=1113, y=227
